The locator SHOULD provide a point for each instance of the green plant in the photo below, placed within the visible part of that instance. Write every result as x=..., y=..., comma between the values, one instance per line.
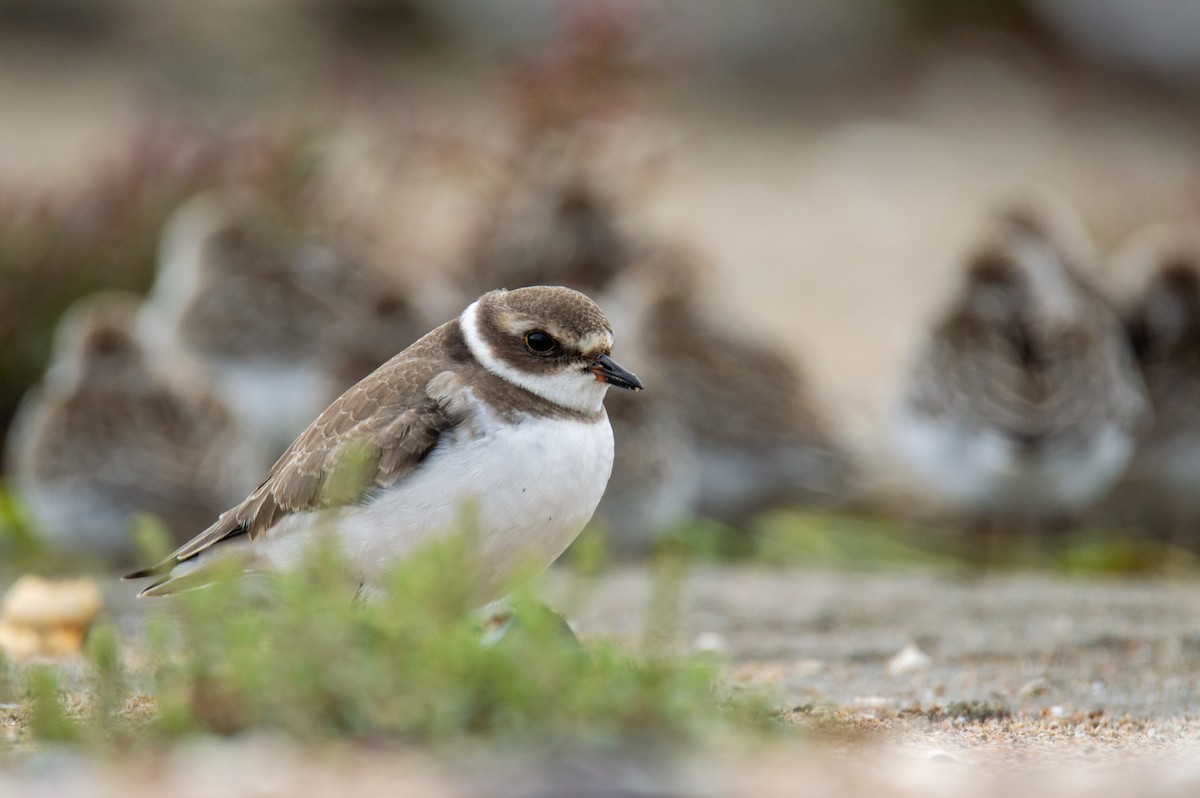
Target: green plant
x=829, y=539
x=304, y=658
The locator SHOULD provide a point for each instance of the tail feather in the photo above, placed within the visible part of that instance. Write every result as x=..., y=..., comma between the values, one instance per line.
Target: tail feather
x=224, y=529
x=159, y=569
x=179, y=580
x=197, y=571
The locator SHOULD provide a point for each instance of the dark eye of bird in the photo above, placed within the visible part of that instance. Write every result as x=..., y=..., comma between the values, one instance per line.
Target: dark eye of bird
x=540, y=342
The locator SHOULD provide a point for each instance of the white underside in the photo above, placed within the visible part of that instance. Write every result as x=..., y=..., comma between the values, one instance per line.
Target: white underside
x=1181, y=467
x=277, y=401
x=529, y=487
x=646, y=499
x=72, y=518
x=984, y=471
x=736, y=481
x=1171, y=468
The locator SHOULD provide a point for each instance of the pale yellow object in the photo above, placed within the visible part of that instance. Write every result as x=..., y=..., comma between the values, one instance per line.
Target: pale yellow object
x=41, y=617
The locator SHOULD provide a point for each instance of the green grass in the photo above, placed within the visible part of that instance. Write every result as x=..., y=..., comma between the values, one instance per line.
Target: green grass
x=297, y=655
x=838, y=540
x=20, y=546
x=813, y=538
x=304, y=659
x=817, y=538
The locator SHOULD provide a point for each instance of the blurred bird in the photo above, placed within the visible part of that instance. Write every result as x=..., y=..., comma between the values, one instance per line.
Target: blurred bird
x=1024, y=404
x=283, y=320
x=110, y=433
x=375, y=315
x=499, y=411
x=701, y=444
x=655, y=484
x=1162, y=314
x=250, y=301
x=759, y=438
x=549, y=227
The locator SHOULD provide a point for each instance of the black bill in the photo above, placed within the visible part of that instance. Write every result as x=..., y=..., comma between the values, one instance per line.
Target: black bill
x=608, y=370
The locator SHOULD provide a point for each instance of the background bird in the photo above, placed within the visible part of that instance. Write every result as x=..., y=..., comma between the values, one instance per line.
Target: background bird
x=760, y=439
x=1161, y=310
x=549, y=225
x=112, y=432
x=1024, y=404
x=655, y=485
x=742, y=451
x=254, y=300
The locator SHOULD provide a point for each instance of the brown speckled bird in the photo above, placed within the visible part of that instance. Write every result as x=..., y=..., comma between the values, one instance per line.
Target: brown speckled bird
x=759, y=437
x=655, y=484
x=1162, y=314
x=252, y=301
x=1023, y=406
x=549, y=228
x=283, y=319
x=112, y=432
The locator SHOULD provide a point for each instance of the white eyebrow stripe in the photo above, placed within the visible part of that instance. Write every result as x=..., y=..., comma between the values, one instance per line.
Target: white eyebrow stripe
x=597, y=340
x=576, y=391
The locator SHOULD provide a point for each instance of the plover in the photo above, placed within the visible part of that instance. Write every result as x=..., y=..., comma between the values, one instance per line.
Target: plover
x=759, y=437
x=1160, y=267
x=253, y=299
x=499, y=412
x=1023, y=406
x=376, y=315
x=655, y=484
x=551, y=224
x=111, y=433
x=549, y=227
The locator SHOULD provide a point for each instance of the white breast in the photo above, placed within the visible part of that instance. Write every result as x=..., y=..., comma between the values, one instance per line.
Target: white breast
x=274, y=400
x=982, y=470
x=530, y=488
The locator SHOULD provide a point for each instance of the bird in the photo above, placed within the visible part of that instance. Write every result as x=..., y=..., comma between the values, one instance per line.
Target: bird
x=113, y=431
x=552, y=223
x=759, y=436
x=499, y=410
x=254, y=299
x=549, y=224
x=1024, y=402
x=697, y=443
x=376, y=314
x=655, y=485
x=1160, y=266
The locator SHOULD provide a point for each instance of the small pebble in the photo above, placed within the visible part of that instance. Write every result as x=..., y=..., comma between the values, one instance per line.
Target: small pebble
x=943, y=758
x=710, y=641
x=1032, y=688
x=909, y=659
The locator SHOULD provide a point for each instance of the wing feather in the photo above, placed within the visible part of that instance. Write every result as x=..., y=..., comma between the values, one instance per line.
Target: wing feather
x=391, y=420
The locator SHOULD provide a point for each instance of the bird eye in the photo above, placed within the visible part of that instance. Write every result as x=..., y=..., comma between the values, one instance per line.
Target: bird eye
x=539, y=342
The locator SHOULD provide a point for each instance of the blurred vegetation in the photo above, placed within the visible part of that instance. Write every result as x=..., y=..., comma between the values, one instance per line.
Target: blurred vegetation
x=17, y=540
x=817, y=538
x=418, y=664
x=813, y=537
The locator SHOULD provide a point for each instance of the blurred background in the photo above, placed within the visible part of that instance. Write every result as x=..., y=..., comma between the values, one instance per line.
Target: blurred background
x=825, y=167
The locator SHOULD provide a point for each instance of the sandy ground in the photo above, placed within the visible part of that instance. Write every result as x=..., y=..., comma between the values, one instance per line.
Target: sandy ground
x=1019, y=644
x=1019, y=684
